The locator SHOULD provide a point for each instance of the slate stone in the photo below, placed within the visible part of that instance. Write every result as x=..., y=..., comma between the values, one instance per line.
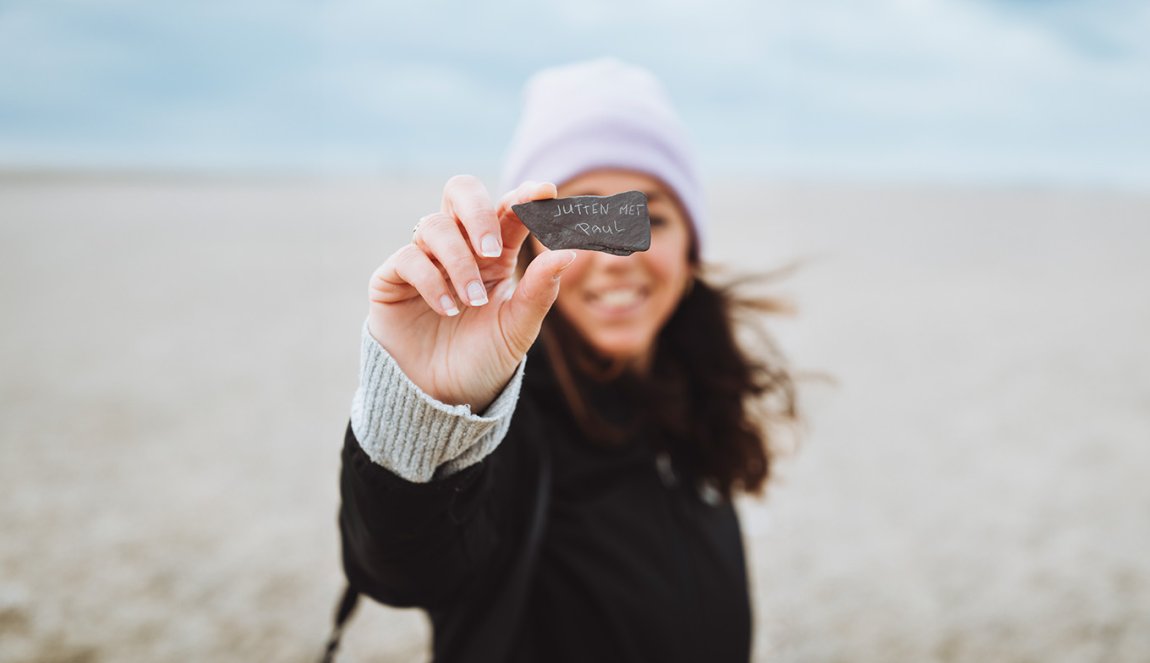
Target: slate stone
x=617, y=224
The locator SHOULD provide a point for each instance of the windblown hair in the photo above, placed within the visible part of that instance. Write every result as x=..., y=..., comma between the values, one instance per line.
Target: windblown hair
x=714, y=401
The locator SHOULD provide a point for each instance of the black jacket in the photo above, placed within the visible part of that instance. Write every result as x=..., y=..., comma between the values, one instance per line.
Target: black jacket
x=632, y=565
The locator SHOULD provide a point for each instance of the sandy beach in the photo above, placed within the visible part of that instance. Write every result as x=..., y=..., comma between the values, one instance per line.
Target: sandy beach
x=178, y=356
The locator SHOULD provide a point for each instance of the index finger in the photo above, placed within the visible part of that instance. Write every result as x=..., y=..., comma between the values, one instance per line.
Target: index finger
x=465, y=198
x=514, y=232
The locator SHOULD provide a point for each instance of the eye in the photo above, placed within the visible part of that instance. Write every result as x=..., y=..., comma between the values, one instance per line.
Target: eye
x=658, y=222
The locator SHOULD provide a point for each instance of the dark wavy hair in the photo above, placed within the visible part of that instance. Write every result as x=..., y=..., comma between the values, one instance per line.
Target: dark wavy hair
x=717, y=403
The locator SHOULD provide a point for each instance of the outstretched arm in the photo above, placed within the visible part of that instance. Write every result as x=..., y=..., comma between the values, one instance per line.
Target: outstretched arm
x=427, y=489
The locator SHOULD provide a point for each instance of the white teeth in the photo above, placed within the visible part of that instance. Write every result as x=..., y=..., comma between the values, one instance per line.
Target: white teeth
x=621, y=297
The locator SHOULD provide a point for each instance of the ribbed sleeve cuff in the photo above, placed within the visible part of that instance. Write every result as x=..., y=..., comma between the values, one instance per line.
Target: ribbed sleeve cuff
x=412, y=434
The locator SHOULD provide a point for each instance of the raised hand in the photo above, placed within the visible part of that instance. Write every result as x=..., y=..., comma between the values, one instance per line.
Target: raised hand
x=447, y=307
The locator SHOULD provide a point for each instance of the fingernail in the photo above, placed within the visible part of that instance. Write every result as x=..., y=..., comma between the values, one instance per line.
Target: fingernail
x=476, y=293
x=490, y=247
x=449, y=306
x=563, y=268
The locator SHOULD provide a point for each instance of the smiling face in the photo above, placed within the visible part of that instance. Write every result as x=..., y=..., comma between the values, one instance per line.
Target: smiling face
x=619, y=303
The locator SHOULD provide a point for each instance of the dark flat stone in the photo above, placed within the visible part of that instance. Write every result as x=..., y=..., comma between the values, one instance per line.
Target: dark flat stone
x=616, y=224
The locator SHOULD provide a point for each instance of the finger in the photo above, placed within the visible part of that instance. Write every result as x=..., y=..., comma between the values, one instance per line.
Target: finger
x=440, y=237
x=526, y=192
x=411, y=268
x=522, y=315
x=465, y=198
x=512, y=229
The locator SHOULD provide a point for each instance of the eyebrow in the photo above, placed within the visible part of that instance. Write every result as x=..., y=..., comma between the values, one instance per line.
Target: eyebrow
x=654, y=196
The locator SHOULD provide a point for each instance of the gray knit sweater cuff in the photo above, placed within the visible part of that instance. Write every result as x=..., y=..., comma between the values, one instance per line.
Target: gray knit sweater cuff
x=413, y=435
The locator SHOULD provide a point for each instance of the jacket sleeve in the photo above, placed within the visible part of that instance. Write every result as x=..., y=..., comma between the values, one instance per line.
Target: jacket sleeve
x=415, y=436
x=424, y=488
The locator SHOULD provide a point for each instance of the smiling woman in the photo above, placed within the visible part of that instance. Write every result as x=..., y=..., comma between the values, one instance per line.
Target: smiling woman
x=619, y=303
x=596, y=523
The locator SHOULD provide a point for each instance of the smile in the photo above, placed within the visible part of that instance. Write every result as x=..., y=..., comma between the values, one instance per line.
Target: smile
x=617, y=300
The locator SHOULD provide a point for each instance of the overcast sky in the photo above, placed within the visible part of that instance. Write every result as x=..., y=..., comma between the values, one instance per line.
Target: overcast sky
x=995, y=91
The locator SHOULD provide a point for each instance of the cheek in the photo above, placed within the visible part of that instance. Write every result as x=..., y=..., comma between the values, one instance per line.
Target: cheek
x=668, y=266
x=668, y=260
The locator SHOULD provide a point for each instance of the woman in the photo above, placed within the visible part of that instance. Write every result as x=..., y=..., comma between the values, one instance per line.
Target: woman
x=545, y=463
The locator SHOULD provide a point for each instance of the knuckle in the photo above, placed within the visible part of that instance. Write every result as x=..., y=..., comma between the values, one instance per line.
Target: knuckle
x=387, y=265
x=434, y=221
x=410, y=260
x=459, y=264
x=460, y=181
x=405, y=254
x=476, y=211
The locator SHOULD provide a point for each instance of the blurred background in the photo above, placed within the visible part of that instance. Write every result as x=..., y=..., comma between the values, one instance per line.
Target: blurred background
x=193, y=196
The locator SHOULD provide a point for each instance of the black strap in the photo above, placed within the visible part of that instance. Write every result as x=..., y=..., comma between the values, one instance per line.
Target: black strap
x=496, y=634
x=350, y=598
x=342, y=614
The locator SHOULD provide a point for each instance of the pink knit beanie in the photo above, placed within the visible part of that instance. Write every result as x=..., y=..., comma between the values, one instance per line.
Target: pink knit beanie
x=602, y=114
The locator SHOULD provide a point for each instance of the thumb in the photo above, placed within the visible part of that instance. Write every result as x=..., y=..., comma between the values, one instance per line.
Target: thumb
x=523, y=313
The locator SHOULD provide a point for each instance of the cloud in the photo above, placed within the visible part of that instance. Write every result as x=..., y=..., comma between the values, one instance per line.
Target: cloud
x=994, y=89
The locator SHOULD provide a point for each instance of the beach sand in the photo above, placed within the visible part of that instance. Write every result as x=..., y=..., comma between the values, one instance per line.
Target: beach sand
x=178, y=358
